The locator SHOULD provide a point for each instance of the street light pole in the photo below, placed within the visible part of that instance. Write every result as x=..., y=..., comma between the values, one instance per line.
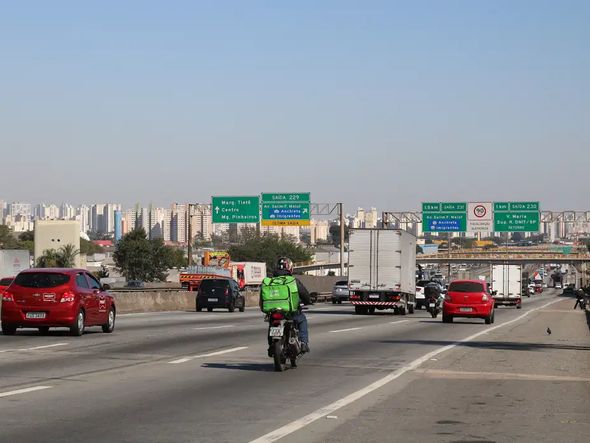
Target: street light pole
x=340, y=209
x=190, y=235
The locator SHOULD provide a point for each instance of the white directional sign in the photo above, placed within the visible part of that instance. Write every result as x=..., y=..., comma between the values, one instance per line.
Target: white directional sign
x=480, y=217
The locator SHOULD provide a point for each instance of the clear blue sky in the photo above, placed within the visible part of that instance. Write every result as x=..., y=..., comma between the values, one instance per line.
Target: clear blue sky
x=371, y=103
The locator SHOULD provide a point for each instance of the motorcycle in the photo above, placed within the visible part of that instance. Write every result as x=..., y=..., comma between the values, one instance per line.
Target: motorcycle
x=284, y=336
x=433, y=306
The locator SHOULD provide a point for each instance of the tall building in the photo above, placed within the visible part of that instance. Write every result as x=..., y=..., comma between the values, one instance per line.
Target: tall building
x=371, y=218
x=20, y=208
x=47, y=212
x=3, y=209
x=97, y=219
x=129, y=221
x=178, y=223
x=83, y=215
x=202, y=225
x=319, y=231
x=118, y=225
x=160, y=220
x=67, y=212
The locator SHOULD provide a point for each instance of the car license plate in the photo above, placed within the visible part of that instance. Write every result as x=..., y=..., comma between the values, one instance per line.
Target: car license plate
x=35, y=315
x=465, y=309
x=276, y=331
x=374, y=296
x=431, y=305
x=212, y=299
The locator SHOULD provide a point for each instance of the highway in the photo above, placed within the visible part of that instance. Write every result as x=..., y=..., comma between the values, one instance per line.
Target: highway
x=205, y=377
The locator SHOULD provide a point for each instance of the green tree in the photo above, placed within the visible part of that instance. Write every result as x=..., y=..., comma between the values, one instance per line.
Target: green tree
x=269, y=248
x=87, y=247
x=65, y=257
x=335, y=234
x=49, y=259
x=139, y=258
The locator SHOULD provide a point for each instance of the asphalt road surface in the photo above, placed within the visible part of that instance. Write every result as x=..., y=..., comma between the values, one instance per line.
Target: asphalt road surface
x=205, y=377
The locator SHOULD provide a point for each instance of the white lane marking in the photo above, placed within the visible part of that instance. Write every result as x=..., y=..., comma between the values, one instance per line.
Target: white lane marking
x=212, y=354
x=35, y=348
x=351, y=398
x=346, y=330
x=24, y=391
x=399, y=321
x=213, y=327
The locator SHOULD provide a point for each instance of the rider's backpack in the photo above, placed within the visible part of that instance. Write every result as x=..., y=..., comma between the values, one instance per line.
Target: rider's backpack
x=279, y=293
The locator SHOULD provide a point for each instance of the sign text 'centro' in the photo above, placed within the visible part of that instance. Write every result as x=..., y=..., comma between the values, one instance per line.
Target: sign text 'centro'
x=240, y=209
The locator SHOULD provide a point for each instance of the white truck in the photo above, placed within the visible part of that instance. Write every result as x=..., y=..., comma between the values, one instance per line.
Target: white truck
x=381, y=270
x=12, y=261
x=249, y=275
x=507, y=285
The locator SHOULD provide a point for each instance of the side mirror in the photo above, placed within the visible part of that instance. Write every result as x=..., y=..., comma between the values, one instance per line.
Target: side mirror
x=106, y=287
x=494, y=292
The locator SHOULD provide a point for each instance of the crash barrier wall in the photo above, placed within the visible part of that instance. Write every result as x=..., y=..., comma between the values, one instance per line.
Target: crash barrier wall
x=319, y=284
x=173, y=300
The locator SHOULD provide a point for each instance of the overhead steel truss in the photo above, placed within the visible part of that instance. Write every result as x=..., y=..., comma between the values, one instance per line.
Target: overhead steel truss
x=400, y=218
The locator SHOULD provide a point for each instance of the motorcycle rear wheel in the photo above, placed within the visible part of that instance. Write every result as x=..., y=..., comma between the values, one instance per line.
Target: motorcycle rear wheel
x=279, y=358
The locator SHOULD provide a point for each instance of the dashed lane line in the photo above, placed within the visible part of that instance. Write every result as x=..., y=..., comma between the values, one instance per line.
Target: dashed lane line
x=301, y=423
x=36, y=348
x=211, y=354
x=24, y=391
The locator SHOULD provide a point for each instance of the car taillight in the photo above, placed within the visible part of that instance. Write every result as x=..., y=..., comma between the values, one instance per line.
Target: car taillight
x=395, y=297
x=226, y=291
x=68, y=297
x=7, y=296
x=484, y=298
x=355, y=296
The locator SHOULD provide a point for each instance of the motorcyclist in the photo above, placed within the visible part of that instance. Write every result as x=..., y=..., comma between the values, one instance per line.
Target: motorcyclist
x=285, y=267
x=432, y=293
x=580, y=295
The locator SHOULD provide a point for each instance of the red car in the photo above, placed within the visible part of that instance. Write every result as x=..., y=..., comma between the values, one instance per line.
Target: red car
x=53, y=297
x=470, y=299
x=5, y=283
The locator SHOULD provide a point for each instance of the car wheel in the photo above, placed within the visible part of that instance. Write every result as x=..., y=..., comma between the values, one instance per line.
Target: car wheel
x=358, y=310
x=8, y=329
x=333, y=301
x=519, y=306
x=339, y=302
x=410, y=309
x=242, y=309
x=370, y=310
x=231, y=308
x=493, y=317
x=447, y=318
x=77, y=329
x=198, y=309
x=209, y=309
x=43, y=330
x=489, y=319
x=109, y=326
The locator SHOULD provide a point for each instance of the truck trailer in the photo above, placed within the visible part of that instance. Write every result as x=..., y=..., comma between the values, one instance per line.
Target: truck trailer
x=381, y=270
x=507, y=285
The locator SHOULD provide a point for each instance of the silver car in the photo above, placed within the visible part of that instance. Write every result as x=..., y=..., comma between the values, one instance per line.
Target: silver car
x=340, y=292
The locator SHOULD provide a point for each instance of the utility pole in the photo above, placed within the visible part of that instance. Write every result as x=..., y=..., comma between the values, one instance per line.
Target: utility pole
x=341, y=211
x=190, y=234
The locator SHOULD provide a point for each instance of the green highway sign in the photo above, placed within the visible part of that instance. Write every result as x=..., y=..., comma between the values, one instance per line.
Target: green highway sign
x=286, y=197
x=516, y=206
x=244, y=209
x=286, y=209
x=444, y=217
x=516, y=221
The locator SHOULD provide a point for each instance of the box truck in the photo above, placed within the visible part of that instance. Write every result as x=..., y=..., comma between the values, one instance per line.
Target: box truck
x=381, y=270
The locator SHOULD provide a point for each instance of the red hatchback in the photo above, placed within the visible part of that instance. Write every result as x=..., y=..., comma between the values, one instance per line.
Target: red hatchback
x=5, y=283
x=468, y=298
x=52, y=297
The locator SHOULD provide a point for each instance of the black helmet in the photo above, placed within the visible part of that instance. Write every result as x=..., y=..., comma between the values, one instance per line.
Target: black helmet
x=285, y=264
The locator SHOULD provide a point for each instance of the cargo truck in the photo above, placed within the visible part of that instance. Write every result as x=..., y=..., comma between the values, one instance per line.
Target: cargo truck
x=249, y=275
x=381, y=270
x=12, y=261
x=507, y=285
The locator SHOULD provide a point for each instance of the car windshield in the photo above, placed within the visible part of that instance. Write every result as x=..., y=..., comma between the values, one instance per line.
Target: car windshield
x=41, y=280
x=423, y=282
x=466, y=286
x=6, y=281
x=341, y=283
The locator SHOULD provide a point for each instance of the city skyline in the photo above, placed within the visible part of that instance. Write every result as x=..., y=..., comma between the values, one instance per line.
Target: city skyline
x=388, y=104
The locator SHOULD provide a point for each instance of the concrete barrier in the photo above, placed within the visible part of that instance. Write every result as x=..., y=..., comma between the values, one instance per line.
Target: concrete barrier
x=153, y=301
x=319, y=284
